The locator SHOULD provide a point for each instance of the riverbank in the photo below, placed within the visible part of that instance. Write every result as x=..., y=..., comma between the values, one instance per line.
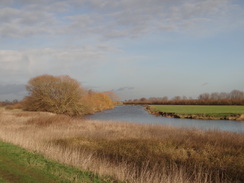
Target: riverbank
x=128, y=152
x=19, y=165
x=204, y=112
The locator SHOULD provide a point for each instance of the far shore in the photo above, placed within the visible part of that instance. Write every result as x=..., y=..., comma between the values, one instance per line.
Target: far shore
x=174, y=113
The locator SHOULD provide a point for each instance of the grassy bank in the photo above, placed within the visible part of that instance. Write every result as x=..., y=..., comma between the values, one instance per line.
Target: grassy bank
x=129, y=152
x=200, y=111
x=20, y=166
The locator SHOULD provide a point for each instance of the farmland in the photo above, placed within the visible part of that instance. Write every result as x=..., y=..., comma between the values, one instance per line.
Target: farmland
x=200, y=111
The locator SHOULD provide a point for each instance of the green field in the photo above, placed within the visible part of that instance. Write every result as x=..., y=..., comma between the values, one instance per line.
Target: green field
x=208, y=110
x=199, y=109
x=19, y=166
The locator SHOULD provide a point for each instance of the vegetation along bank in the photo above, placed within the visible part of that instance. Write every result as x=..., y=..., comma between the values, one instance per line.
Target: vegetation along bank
x=121, y=151
x=20, y=166
x=62, y=95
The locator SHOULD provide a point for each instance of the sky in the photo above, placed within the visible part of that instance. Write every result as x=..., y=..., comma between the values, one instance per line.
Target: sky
x=135, y=48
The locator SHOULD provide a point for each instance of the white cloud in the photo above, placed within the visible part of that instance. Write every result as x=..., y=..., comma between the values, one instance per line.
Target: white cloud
x=12, y=61
x=139, y=17
x=76, y=37
x=121, y=18
x=23, y=64
x=22, y=23
x=49, y=6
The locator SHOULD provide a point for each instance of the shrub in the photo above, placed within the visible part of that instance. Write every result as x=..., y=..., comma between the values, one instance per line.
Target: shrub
x=58, y=94
x=63, y=95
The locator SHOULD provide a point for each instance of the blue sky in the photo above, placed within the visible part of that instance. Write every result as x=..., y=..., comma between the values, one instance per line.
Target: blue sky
x=136, y=48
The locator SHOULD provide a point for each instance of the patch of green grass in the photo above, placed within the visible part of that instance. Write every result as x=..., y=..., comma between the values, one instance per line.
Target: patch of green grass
x=3, y=181
x=19, y=166
x=200, y=109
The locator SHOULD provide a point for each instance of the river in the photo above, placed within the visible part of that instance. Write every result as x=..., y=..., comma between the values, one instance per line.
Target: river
x=137, y=114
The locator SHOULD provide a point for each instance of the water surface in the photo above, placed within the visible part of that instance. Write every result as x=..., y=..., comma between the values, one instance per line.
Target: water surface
x=137, y=114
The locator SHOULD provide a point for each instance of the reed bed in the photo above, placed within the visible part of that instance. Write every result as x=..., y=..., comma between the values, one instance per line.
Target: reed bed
x=129, y=152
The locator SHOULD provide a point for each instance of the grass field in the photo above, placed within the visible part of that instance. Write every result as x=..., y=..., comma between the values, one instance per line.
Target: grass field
x=199, y=109
x=123, y=151
x=208, y=110
x=20, y=166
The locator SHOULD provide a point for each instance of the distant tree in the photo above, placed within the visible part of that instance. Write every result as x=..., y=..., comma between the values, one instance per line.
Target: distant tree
x=177, y=98
x=58, y=94
x=184, y=98
x=15, y=101
x=204, y=96
x=143, y=99
x=235, y=97
x=236, y=94
x=214, y=96
x=165, y=98
x=223, y=95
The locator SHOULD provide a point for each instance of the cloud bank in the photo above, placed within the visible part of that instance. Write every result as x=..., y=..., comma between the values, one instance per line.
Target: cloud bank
x=111, y=19
x=99, y=40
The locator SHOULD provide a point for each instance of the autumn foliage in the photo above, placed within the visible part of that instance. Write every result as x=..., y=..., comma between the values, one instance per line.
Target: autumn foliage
x=63, y=95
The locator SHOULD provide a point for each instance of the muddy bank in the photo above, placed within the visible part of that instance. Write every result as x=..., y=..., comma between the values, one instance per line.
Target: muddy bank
x=238, y=117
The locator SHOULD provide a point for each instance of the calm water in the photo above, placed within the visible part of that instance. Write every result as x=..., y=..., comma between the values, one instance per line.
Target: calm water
x=137, y=114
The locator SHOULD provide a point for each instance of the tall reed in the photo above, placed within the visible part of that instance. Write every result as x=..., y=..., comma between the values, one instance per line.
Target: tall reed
x=129, y=152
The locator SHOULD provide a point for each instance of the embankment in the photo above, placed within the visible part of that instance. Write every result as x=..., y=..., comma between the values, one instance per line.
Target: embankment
x=239, y=117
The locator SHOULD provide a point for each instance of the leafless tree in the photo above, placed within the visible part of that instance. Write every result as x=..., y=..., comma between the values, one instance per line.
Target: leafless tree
x=58, y=94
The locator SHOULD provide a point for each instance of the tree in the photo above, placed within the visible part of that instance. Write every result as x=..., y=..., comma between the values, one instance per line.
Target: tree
x=204, y=96
x=236, y=94
x=58, y=94
x=177, y=98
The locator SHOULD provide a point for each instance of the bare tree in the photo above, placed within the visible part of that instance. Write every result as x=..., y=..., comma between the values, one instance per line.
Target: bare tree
x=236, y=94
x=58, y=94
x=204, y=96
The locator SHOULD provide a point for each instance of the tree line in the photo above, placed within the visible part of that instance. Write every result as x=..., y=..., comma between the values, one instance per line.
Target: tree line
x=235, y=97
x=63, y=95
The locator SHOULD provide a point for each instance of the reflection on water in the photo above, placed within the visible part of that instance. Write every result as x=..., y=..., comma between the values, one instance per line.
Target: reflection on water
x=137, y=114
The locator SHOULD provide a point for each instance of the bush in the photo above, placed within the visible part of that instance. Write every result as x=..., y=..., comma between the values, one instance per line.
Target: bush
x=57, y=94
x=63, y=95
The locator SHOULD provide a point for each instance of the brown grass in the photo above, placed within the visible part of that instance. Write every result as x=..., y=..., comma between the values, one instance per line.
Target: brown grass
x=129, y=152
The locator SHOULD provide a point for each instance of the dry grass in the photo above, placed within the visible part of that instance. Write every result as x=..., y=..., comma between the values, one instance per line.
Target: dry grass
x=129, y=152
